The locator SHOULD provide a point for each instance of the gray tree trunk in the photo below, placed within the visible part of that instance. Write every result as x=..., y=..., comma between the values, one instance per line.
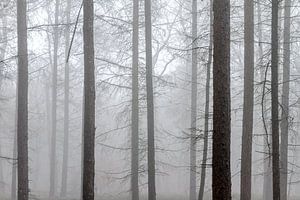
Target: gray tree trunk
x=22, y=96
x=64, y=180
x=246, y=156
x=207, y=102
x=89, y=102
x=274, y=94
x=193, y=141
x=285, y=100
x=150, y=103
x=221, y=181
x=52, y=191
x=135, y=104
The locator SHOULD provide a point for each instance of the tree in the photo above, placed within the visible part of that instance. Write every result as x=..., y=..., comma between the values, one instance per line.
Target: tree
x=274, y=94
x=285, y=100
x=246, y=158
x=150, y=104
x=193, y=141
x=54, y=106
x=22, y=96
x=135, y=104
x=66, y=105
x=207, y=102
x=89, y=102
x=221, y=181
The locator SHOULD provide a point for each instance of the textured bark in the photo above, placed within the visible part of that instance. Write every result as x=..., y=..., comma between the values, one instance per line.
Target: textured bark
x=246, y=156
x=193, y=136
x=52, y=191
x=207, y=102
x=89, y=102
x=221, y=183
x=285, y=100
x=22, y=96
x=64, y=180
x=135, y=104
x=274, y=94
x=150, y=103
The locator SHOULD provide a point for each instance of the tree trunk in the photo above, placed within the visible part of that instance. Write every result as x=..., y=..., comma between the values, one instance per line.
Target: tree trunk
x=150, y=103
x=66, y=107
x=285, y=100
x=135, y=104
x=54, y=107
x=207, y=97
x=193, y=141
x=246, y=157
x=274, y=93
x=221, y=183
x=22, y=118
x=89, y=102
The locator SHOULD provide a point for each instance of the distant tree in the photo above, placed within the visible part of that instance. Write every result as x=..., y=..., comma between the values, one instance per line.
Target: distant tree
x=221, y=180
x=22, y=96
x=89, y=102
x=150, y=103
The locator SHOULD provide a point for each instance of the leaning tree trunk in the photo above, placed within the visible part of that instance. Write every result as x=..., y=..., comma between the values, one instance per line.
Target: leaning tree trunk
x=246, y=158
x=64, y=180
x=274, y=94
x=150, y=103
x=135, y=104
x=285, y=100
x=193, y=136
x=206, y=120
x=22, y=118
x=221, y=181
x=89, y=102
x=54, y=107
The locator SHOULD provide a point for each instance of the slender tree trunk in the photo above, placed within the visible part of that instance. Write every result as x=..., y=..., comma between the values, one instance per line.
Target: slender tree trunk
x=54, y=107
x=246, y=158
x=64, y=180
x=22, y=119
x=193, y=141
x=274, y=92
x=89, y=102
x=135, y=104
x=14, y=170
x=221, y=183
x=285, y=100
x=150, y=103
x=207, y=97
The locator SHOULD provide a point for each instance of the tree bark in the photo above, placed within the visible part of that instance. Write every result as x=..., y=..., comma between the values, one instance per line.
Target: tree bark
x=274, y=94
x=221, y=183
x=207, y=102
x=22, y=118
x=246, y=157
x=66, y=106
x=135, y=104
x=193, y=141
x=285, y=100
x=150, y=103
x=54, y=107
x=89, y=102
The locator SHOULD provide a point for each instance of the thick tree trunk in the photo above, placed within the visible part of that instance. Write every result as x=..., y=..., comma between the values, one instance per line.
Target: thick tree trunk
x=274, y=92
x=150, y=103
x=285, y=100
x=89, y=102
x=64, y=180
x=221, y=183
x=193, y=138
x=207, y=97
x=54, y=107
x=135, y=104
x=22, y=118
x=246, y=156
